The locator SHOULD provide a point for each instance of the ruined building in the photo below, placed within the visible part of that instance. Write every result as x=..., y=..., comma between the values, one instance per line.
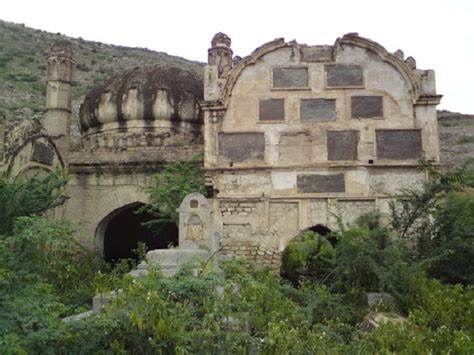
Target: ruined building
x=294, y=136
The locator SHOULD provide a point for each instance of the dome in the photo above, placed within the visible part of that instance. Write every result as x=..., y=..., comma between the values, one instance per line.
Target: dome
x=160, y=96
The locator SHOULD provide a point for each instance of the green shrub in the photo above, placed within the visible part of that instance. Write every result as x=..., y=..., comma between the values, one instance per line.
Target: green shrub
x=451, y=247
x=169, y=188
x=308, y=256
x=24, y=197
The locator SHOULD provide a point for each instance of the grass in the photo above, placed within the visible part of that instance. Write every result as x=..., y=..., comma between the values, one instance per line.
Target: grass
x=466, y=140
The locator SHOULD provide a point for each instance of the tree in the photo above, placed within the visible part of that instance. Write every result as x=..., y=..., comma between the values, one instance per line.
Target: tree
x=30, y=196
x=170, y=186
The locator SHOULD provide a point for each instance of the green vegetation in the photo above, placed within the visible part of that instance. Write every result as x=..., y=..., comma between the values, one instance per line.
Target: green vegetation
x=31, y=196
x=234, y=307
x=465, y=140
x=170, y=186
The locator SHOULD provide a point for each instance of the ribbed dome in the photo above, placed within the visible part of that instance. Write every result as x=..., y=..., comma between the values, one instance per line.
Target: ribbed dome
x=145, y=94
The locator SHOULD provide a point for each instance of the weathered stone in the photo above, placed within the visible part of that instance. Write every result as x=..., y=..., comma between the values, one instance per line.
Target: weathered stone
x=374, y=319
x=43, y=154
x=271, y=110
x=317, y=54
x=238, y=147
x=344, y=75
x=318, y=109
x=366, y=106
x=295, y=147
x=342, y=145
x=290, y=78
x=374, y=298
x=320, y=183
x=398, y=144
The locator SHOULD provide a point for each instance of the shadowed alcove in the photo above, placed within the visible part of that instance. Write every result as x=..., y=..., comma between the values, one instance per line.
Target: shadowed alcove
x=123, y=229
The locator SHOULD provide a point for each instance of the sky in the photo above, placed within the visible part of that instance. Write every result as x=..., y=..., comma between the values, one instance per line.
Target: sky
x=439, y=34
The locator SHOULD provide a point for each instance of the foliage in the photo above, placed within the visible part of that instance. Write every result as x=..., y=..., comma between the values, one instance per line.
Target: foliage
x=44, y=275
x=412, y=210
x=308, y=256
x=24, y=197
x=366, y=258
x=171, y=185
x=439, y=220
x=235, y=307
x=243, y=310
x=451, y=246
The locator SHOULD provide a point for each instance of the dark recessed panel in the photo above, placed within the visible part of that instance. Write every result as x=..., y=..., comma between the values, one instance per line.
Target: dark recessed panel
x=342, y=145
x=237, y=147
x=42, y=153
x=290, y=78
x=271, y=110
x=321, y=183
x=366, y=106
x=344, y=75
x=318, y=109
x=399, y=144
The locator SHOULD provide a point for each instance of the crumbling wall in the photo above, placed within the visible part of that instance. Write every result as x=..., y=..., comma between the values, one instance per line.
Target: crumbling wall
x=313, y=133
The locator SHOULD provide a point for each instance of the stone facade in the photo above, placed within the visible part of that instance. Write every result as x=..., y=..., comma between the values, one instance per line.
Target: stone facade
x=293, y=136
x=296, y=135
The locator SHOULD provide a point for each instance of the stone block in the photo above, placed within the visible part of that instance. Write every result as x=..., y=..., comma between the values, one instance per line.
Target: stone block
x=295, y=147
x=271, y=110
x=290, y=78
x=241, y=146
x=341, y=75
x=317, y=54
x=42, y=153
x=398, y=144
x=342, y=145
x=366, y=106
x=307, y=183
x=283, y=180
x=318, y=109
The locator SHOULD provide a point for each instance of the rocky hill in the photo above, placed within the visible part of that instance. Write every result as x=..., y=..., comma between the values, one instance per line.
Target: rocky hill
x=456, y=133
x=23, y=53
x=23, y=67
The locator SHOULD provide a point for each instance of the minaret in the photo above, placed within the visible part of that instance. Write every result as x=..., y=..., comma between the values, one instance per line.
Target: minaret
x=220, y=53
x=57, y=114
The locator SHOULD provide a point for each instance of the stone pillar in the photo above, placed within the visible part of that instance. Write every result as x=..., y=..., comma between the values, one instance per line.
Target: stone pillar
x=2, y=136
x=220, y=54
x=195, y=223
x=57, y=114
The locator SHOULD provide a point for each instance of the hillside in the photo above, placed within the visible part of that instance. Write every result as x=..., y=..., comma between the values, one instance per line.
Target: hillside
x=23, y=66
x=23, y=53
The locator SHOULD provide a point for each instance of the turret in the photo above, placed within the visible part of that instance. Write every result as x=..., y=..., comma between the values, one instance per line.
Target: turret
x=57, y=114
x=220, y=53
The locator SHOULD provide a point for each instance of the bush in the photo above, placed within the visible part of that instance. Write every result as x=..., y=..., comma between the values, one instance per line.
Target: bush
x=29, y=196
x=451, y=247
x=366, y=258
x=308, y=256
x=170, y=186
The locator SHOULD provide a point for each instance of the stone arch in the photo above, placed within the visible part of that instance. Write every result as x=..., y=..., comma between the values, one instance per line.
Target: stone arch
x=324, y=231
x=118, y=233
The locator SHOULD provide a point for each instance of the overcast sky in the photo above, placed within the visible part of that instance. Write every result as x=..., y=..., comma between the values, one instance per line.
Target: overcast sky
x=439, y=34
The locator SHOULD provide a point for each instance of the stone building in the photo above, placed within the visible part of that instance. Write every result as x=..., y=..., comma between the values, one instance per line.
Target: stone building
x=297, y=136
x=294, y=137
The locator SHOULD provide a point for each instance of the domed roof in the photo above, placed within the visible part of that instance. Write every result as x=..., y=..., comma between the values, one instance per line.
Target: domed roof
x=144, y=94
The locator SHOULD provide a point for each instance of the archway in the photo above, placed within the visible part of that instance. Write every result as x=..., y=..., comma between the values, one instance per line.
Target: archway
x=309, y=255
x=324, y=231
x=123, y=229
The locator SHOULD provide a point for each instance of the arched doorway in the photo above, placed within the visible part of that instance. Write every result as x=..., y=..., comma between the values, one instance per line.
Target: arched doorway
x=122, y=230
